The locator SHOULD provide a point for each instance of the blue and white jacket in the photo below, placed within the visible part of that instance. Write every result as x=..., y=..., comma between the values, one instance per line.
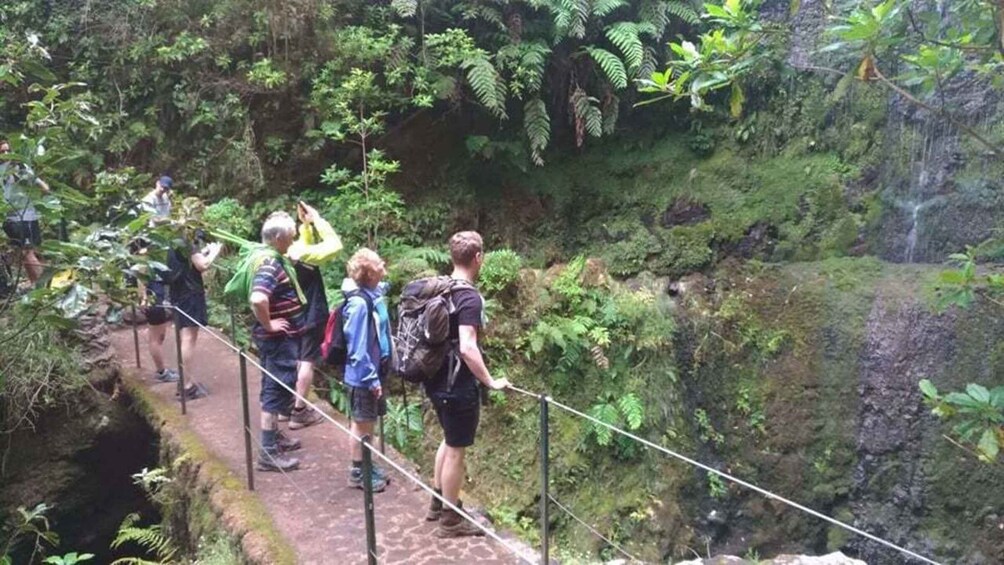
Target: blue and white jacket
x=365, y=351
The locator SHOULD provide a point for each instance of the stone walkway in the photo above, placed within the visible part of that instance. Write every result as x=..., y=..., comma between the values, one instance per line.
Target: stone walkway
x=312, y=507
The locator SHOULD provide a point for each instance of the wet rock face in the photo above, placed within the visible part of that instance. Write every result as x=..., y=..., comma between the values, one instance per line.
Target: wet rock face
x=904, y=344
x=685, y=212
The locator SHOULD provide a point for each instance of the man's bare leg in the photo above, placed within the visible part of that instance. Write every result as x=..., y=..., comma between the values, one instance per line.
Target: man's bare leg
x=155, y=342
x=32, y=265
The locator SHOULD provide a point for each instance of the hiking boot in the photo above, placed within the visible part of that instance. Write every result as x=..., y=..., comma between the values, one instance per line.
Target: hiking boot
x=453, y=525
x=166, y=376
x=285, y=443
x=282, y=418
x=356, y=480
x=193, y=391
x=274, y=460
x=436, y=508
x=303, y=417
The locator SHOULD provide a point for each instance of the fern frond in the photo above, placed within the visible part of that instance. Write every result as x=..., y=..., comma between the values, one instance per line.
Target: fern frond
x=537, y=124
x=625, y=35
x=654, y=12
x=476, y=12
x=611, y=113
x=683, y=11
x=405, y=8
x=586, y=116
x=606, y=413
x=487, y=84
x=600, y=357
x=612, y=66
x=602, y=8
x=649, y=63
x=632, y=410
x=150, y=538
x=534, y=63
x=431, y=255
x=570, y=17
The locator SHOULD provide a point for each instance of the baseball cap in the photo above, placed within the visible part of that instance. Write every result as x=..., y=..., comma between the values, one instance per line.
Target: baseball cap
x=166, y=182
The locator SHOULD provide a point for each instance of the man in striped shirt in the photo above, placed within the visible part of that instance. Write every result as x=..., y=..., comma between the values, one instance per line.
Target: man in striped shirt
x=278, y=305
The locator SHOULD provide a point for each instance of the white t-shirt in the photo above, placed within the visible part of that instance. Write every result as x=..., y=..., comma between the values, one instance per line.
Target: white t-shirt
x=160, y=206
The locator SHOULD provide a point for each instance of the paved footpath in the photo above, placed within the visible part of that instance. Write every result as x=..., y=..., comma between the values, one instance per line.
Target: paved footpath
x=320, y=517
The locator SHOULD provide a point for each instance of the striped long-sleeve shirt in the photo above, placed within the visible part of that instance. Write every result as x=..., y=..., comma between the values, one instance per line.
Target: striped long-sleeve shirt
x=272, y=280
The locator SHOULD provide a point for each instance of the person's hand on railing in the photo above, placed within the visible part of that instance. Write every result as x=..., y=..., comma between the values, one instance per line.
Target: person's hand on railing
x=500, y=384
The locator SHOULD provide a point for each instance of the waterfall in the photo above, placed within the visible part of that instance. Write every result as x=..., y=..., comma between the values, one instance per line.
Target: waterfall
x=911, y=236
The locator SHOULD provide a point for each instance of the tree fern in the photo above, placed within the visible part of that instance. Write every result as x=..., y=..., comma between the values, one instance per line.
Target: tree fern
x=150, y=538
x=612, y=66
x=405, y=8
x=625, y=35
x=537, y=124
x=603, y=8
x=487, y=84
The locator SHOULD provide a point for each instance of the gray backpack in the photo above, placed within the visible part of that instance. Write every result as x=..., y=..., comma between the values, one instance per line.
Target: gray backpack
x=422, y=343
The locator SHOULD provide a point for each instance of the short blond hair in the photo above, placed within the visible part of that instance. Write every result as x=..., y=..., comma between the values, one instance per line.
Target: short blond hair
x=464, y=247
x=364, y=264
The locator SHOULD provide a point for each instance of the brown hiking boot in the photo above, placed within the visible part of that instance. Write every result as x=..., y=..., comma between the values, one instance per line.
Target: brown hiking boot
x=303, y=418
x=436, y=508
x=452, y=525
x=285, y=443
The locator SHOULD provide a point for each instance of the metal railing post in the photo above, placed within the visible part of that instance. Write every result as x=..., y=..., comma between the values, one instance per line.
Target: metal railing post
x=382, y=434
x=247, y=418
x=135, y=336
x=368, y=509
x=545, y=495
x=182, y=392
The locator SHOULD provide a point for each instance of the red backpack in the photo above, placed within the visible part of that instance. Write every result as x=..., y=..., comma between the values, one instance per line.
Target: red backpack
x=335, y=348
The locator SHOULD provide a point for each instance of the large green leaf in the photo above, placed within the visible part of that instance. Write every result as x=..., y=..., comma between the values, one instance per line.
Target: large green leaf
x=988, y=446
x=979, y=393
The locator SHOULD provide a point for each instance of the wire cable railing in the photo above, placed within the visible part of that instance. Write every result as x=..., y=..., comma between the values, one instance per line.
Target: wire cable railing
x=546, y=497
x=731, y=478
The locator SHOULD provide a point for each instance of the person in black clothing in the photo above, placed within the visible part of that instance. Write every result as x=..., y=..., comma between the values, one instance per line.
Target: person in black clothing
x=317, y=245
x=188, y=293
x=458, y=406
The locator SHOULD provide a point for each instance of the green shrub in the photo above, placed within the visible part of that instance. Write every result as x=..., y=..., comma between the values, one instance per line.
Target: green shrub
x=230, y=215
x=500, y=271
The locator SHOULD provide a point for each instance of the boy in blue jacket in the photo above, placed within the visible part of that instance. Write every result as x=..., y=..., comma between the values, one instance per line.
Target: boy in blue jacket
x=367, y=336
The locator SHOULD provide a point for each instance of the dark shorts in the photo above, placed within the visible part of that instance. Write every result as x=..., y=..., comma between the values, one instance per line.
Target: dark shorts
x=365, y=406
x=23, y=233
x=310, y=344
x=459, y=417
x=195, y=306
x=279, y=357
x=155, y=313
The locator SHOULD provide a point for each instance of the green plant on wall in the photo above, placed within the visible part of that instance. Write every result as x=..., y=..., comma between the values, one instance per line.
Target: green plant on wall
x=976, y=416
x=976, y=413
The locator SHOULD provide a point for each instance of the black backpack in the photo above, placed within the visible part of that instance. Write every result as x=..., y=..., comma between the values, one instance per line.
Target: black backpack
x=334, y=347
x=422, y=342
